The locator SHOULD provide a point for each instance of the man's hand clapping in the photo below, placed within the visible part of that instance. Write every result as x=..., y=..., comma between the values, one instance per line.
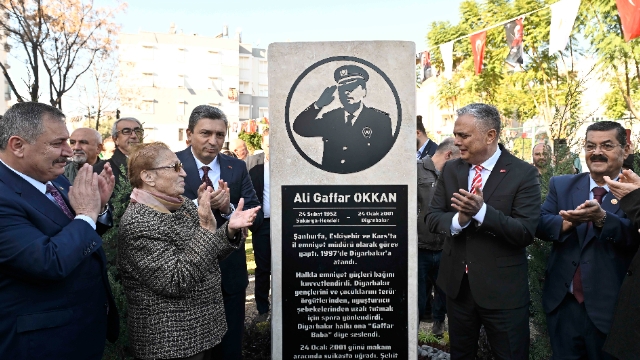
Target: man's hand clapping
x=627, y=182
x=241, y=219
x=467, y=204
x=85, y=194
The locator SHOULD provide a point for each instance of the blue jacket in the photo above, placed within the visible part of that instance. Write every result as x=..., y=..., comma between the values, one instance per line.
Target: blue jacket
x=55, y=299
x=603, y=254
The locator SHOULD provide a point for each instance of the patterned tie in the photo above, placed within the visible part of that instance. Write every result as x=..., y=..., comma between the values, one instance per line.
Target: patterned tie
x=477, y=179
x=205, y=176
x=59, y=200
x=578, y=291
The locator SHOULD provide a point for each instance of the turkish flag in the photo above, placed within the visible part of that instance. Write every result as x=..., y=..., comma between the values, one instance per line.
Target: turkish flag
x=478, y=42
x=629, y=11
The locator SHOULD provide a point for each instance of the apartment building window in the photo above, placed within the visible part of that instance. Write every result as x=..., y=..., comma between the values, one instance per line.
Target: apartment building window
x=146, y=106
x=214, y=57
x=180, y=134
x=180, y=107
x=180, y=81
x=180, y=55
x=245, y=62
x=147, y=79
x=263, y=66
x=244, y=87
x=244, y=112
x=147, y=52
x=264, y=90
x=263, y=112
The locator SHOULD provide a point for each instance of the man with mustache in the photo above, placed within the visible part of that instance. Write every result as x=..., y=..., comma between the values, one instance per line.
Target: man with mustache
x=204, y=163
x=55, y=298
x=593, y=244
x=86, y=144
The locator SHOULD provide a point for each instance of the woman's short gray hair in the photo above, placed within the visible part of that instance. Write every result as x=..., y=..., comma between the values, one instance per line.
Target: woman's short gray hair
x=487, y=116
x=25, y=119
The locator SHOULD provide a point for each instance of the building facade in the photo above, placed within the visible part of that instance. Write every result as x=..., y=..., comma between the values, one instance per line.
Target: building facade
x=164, y=76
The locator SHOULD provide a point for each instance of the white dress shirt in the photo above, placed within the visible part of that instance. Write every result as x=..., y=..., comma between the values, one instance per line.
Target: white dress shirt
x=488, y=166
x=266, y=207
x=419, y=152
x=42, y=187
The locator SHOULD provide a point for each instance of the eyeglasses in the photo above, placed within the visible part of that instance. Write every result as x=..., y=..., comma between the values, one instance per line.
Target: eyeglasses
x=603, y=147
x=177, y=167
x=127, y=131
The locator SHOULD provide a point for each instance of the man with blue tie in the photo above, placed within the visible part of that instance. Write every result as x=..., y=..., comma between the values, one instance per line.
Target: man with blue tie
x=55, y=299
x=593, y=244
x=203, y=162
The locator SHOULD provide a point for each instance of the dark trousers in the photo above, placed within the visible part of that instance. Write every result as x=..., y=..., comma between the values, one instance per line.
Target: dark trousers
x=262, y=251
x=573, y=335
x=428, y=265
x=507, y=330
x=230, y=348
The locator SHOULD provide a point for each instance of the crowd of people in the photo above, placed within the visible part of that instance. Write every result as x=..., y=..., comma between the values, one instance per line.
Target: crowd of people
x=181, y=240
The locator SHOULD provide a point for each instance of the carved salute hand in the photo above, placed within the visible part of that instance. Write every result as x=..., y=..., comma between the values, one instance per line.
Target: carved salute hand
x=327, y=97
x=467, y=204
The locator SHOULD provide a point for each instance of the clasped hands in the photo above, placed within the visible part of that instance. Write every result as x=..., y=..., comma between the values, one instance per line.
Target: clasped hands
x=467, y=204
x=91, y=192
x=588, y=211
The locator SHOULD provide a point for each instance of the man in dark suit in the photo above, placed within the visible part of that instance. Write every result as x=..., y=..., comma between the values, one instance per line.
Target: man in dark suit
x=258, y=167
x=355, y=136
x=55, y=299
x=623, y=340
x=126, y=133
x=424, y=145
x=487, y=203
x=203, y=162
x=593, y=243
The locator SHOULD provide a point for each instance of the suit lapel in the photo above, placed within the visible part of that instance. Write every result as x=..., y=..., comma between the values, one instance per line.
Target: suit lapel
x=463, y=175
x=33, y=197
x=226, y=169
x=609, y=206
x=193, y=179
x=500, y=170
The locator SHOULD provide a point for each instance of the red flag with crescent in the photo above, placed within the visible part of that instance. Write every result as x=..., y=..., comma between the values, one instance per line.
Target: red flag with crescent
x=629, y=11
x=478, y=42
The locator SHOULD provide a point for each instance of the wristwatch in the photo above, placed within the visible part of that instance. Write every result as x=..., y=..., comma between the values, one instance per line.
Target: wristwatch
x=600, y=223
x=231, y=210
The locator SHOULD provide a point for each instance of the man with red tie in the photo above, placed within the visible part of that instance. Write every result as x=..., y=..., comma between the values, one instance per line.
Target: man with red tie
x=593, y=244
x=203, y=162
x=487, y=204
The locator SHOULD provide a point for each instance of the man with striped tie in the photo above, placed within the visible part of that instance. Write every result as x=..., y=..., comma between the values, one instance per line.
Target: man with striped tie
x=487, y=204
x=203, y=162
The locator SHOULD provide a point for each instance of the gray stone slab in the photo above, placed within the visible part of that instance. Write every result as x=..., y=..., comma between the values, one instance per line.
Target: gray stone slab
x=378, y=150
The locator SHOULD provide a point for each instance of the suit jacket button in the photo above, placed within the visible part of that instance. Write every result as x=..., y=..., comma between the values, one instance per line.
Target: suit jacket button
x=574, y=263
x=368, y=144
x=629, y=273
x=341, y=161
x=344, y=148
x=93, y=243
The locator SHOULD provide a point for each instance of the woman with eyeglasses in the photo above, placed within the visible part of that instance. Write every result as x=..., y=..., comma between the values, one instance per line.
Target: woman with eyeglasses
x=168, y=253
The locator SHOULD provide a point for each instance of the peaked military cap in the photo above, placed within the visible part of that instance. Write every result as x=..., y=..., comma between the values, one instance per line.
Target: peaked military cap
x=349, y=73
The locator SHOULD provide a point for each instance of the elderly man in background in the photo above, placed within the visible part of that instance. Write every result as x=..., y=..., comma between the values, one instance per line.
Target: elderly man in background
x=430, y=244
x=55, y=299
x=593, y=243
x=126, y=133
x=239, y=147
x=86, y=144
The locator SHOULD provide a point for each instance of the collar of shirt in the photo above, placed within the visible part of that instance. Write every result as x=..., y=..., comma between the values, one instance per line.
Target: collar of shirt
x=42, y=187
x=355, y=114
x=214, y=166
x=488, y=166
x=592, y=184
x=422, y=148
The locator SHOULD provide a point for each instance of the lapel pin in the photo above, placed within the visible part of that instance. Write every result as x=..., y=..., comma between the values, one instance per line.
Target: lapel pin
x=503, y=170
x=230, y=167
x=614, y=201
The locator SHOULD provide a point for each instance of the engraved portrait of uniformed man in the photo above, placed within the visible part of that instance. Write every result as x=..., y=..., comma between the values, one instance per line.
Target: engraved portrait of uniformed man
x=355, y=136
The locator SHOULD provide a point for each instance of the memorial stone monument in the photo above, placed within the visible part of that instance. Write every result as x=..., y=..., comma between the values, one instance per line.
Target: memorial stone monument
x=343, y=200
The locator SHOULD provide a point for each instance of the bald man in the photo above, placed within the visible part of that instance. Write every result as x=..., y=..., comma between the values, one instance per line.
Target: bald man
x=86, y=144
x=239, y=148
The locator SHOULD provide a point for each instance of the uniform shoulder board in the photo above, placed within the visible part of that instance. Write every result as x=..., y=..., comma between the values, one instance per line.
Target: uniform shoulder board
x=380, y=111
